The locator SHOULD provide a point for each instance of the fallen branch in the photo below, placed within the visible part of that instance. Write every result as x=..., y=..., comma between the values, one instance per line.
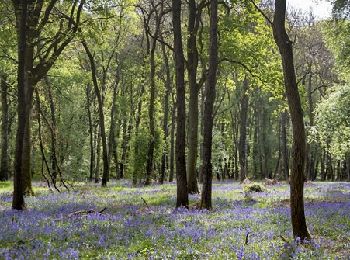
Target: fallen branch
x=144, y=201
x=284, y=239
x=246, y=238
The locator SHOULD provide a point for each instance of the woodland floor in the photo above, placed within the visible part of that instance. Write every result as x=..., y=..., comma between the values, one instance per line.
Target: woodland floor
x=141, y=223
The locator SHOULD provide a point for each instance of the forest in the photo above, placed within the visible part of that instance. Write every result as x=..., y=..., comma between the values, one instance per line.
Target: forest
x=172, y=129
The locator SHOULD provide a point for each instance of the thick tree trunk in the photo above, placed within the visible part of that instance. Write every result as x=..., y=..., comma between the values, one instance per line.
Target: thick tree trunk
x=193, y=111
x=243, y=130
x=181, y=179
x=206, y=201
x=299, y=139
x=5, y=128
x=21, y=19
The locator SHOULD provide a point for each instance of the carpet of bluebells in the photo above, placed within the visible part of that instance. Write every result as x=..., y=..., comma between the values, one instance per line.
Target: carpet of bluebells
x=141, y=223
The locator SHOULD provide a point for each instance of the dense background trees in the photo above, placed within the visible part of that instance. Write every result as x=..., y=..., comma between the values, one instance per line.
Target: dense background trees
x=154, y=91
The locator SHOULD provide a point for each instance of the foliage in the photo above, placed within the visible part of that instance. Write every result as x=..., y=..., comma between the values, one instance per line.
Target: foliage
x=333, y=121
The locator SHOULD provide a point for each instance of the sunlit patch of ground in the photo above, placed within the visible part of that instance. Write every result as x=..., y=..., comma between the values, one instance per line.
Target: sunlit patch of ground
x=141, y=223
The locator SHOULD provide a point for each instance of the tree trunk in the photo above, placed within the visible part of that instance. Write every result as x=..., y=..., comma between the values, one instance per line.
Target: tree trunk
x=166, y=115
x=54, y=166
x=172, y=141
x=348, y=168
x=98, y=155
x=299, y=139
x=91, y=132
x=181, y=179
x=100, y=114
x=151, y=111
x=243, y=130
x=192, y=64
x=5, y=128
x=21, y=19
x=200, y=177
x=112, y=145
x=310, y=147
x=208, y=108
x=323, y=168
x=284, y=147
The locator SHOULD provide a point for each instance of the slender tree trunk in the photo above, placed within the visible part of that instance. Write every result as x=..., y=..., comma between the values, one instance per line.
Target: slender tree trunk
x=208, y=108
x=151, y=111
x=98, y=155
x=181, y=179
x=310, y=147
x=323, y=168
x=172, y=141
x=299, y=139
x=137, y=126
x=39, y=114
x=243, y=130
x=54, y=166
x=200, y=177
x=348, y=168
x=5, y=128
x=100, y=114
x=91, y=132
x=284, y=147
x=166, y=115
x=112, y=146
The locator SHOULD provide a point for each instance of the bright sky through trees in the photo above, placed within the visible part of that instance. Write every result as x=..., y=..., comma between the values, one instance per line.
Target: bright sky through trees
x=321, y=8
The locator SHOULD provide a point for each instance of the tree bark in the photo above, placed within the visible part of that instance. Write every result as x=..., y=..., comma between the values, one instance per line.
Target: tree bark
x=284, y=147
x=181, y=179
x=100, y=114
x=21, y=24
x=5, y=128
x=112, y=145
x=29, y=27
x=193, y=111
x=243, y=130
x=172, y=141
x=206, y=200
x=151, y=111
x=91, y=132
x=299, y=139
x=166, y=115
x=310, y=148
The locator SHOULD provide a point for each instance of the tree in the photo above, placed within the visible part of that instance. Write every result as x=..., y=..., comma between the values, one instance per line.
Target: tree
x=299, y=139
x=194, y=17
x=181, y=179
x=100, y=113
x=38, y=60
x=208, y=108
